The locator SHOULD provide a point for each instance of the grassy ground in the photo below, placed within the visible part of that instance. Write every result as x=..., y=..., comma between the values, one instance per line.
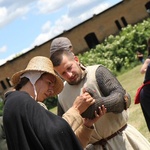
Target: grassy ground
x=131, y=80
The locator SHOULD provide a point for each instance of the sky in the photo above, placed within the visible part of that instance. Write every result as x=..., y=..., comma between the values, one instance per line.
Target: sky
x=25, y=24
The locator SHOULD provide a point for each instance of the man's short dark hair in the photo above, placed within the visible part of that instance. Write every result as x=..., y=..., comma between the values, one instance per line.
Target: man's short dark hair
x=57, y=57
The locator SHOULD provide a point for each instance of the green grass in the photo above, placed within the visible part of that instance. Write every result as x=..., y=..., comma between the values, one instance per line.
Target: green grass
x=131, y=80
x=54, y=110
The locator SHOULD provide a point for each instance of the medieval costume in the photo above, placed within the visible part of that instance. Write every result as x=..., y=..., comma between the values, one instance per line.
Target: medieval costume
x=112, y=130
x=29, y=126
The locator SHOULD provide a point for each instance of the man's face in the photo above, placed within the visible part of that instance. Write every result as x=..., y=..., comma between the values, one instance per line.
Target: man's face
x=70, y=70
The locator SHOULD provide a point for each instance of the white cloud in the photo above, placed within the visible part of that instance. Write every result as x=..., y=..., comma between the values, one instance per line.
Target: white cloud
x=3, y=13
x=49, y=6
x=44, y=36
x=101, y=8
x=79, y=7
x=13, y=9
x=3, y=49
x=49, y=31
x=46, y=27
x=2, y=61
x=8, y=17
x=65, y=22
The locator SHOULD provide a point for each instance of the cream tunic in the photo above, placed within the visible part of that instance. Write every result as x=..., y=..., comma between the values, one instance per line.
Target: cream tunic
x=129, y=139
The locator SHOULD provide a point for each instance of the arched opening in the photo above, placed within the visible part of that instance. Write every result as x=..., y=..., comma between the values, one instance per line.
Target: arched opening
x=91, y=40
x=124, y=21
x=118, y=24
x=8, y=82
x=147, y=6
x=3, y=85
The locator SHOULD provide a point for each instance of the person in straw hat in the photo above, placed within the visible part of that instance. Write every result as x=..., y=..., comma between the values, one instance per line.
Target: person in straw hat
x=30, y=126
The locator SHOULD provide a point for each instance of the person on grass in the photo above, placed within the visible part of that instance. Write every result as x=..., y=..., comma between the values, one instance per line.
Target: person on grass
x=112, y=131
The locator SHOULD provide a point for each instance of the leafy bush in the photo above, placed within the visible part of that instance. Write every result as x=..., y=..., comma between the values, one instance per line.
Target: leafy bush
x=51, y=102
x=118, y=52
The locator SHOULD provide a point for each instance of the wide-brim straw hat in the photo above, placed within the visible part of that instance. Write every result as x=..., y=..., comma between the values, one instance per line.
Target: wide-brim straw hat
x=40, y=63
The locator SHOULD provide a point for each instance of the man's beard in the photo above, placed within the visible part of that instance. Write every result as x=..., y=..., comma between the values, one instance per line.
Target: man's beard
x=77, y=81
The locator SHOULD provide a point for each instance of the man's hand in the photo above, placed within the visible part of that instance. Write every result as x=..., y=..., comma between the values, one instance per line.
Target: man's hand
x=89, y=122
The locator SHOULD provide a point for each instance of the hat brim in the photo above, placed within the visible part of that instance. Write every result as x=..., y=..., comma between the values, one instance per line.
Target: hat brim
x=58, y=84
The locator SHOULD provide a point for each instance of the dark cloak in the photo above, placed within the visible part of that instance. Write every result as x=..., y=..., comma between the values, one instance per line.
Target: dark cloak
x=145, y=98
x=29, y=126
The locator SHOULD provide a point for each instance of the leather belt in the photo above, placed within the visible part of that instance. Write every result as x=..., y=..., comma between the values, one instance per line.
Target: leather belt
x=103, y=142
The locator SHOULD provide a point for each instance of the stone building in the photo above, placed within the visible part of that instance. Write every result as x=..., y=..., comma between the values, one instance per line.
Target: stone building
x=85, y=35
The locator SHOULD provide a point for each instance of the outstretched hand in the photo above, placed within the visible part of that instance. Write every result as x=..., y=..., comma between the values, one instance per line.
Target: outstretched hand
x=91, y=92
x=82, y=102
x=89, y=122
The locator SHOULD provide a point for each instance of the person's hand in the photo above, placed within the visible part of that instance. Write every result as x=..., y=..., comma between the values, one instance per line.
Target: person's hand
x=89, y=122
x=82, y=102
x=91, y=92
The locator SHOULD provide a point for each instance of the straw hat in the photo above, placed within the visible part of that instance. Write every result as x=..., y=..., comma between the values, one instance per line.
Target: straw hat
x=39, y=63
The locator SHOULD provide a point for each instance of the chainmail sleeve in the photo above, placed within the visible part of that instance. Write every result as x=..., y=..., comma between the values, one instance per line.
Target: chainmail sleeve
x=111, y=89
x=112, y=93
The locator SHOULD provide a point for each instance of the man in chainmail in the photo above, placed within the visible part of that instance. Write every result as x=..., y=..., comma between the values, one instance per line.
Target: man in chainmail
x=112, y=132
